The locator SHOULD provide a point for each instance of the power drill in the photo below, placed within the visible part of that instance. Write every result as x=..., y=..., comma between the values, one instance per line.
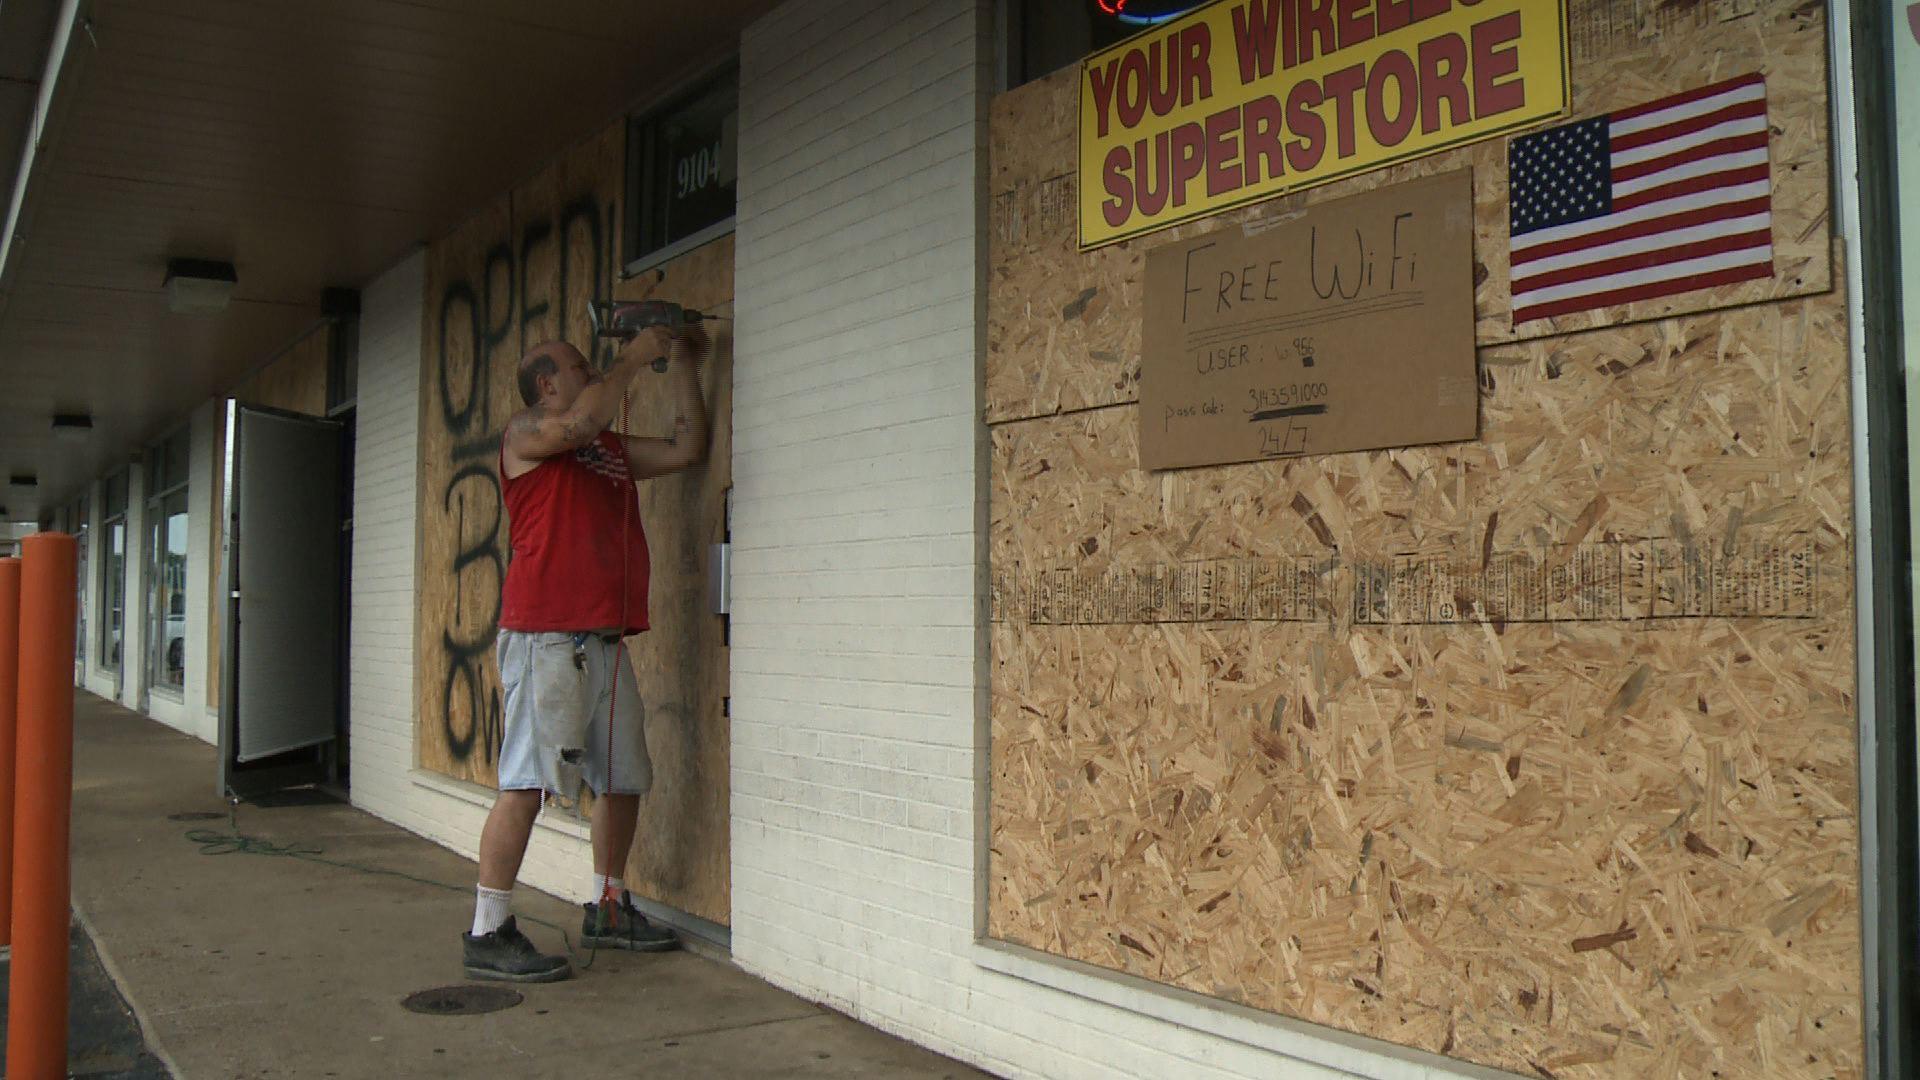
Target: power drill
x=624, y=319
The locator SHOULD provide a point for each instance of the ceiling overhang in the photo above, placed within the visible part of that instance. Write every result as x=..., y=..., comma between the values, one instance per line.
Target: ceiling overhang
x=310, y=145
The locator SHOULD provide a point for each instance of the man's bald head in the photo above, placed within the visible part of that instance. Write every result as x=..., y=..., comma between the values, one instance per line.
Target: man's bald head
x=544, y=361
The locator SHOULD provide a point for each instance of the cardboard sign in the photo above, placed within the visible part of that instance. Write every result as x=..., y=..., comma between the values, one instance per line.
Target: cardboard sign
x=1243, y=100
x=1349, y=327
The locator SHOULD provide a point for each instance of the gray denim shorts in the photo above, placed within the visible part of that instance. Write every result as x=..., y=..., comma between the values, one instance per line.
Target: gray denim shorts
x=569, y=724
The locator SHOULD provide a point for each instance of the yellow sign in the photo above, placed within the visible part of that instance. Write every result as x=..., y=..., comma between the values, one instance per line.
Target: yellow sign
x=1245, y=99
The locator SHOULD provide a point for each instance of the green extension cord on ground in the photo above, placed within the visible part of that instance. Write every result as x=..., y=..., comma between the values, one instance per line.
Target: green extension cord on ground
x=237, y=843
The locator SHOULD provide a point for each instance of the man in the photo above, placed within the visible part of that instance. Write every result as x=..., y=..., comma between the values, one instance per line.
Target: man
x=576, y=584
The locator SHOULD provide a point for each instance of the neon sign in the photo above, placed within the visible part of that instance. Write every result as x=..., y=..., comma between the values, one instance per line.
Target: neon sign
x=1145, y=12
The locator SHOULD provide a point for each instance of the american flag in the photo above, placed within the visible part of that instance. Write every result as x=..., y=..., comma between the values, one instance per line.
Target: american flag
x=1664, y=198
x=605, y=456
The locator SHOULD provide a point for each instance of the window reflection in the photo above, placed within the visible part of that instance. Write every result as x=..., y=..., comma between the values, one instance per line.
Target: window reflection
x=168, y=649
x=113, y=591
x=113, y=568
x=166, y=564
x=80, y=582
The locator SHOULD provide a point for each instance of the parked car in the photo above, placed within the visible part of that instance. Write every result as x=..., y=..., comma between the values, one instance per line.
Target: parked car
x=176, y=638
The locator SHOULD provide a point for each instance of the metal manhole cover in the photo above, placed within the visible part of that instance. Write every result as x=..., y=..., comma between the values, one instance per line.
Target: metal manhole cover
x=196, y=815
x=461, y=1000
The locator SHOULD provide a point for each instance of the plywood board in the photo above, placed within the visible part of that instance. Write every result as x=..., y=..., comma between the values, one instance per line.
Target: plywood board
x=1414, y=744
x=682, y=855
x=1064, y=329
x=466, y=394
x=296, y=380
x=520, y=273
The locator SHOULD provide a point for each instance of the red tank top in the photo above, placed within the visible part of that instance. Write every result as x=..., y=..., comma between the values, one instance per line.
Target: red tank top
x=564, y=521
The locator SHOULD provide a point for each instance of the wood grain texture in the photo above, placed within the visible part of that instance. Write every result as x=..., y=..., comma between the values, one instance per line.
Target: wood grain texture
x=518, y=274
x=1587, y=846
x=1064, y=328
x=682, y=856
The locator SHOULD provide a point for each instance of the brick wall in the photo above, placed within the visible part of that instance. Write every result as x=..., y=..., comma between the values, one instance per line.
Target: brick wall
x=201, y=701
x=385, y=507
x=858, y=675
x=386, y=454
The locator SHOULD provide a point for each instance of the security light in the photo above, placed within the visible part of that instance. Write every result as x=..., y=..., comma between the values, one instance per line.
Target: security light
x=199, y=286
x=73, y=427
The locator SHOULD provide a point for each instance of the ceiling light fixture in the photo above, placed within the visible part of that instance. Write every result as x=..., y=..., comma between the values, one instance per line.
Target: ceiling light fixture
x=199, y=286
x=73, y=427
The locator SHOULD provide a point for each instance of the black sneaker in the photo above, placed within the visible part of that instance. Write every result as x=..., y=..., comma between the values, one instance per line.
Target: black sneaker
x=507, y=955
x=621, y=926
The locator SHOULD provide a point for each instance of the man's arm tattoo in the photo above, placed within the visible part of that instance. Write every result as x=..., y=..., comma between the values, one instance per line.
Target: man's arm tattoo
x=526, y=425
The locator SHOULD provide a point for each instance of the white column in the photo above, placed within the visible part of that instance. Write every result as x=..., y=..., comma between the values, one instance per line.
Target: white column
x=202, y=700
x=133, y=649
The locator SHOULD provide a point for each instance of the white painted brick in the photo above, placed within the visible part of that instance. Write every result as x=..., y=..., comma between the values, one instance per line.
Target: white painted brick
x=386, y=464
x=926, y=371
x=202, y=572
x=851, y=230
x=857, y=450
x=782, y=459
x=915, y=160
x=841, y=63
x=889, y=304
x=904, y=327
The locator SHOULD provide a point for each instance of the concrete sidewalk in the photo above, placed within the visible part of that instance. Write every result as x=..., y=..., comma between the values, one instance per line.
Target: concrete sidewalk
x=242, y=964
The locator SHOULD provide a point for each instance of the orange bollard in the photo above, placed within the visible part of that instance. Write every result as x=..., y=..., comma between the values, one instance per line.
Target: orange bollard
x=9, y=689
x=43, y=807
x=8, y=694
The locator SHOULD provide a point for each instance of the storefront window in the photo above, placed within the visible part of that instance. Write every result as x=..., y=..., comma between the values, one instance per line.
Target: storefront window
x=79, y=524
x=167, y=565
x=113, y=569
x=681, y=171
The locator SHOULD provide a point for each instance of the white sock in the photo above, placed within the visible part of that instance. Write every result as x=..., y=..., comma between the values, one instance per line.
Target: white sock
x=490, y=909
x=602, y=885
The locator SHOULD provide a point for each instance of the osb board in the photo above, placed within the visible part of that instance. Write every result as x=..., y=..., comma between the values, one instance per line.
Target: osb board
x=1064, y=328
x=683, y=855
x=294, y=381
x=1597, y=844
x=520, y=273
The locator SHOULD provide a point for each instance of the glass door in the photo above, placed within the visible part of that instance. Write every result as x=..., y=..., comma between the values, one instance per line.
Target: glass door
x=166, y=570
x=81, y=531
x=113, y=576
